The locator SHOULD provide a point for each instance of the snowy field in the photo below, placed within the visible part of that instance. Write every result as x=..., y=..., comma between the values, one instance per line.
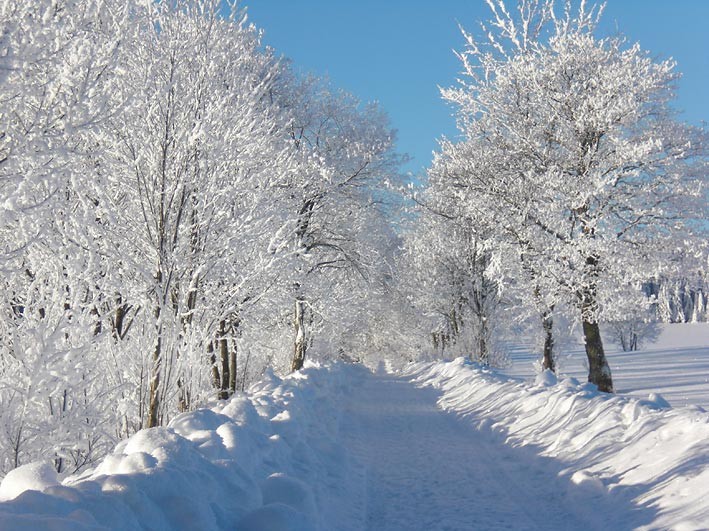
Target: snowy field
x=432, y=446
x=675, y=365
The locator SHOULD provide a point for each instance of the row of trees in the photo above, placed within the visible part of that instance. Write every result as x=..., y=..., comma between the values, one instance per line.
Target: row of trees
x=572, y=187
x=179, y=211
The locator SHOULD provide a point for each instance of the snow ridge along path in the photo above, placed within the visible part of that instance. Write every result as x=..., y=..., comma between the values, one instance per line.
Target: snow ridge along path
x=437, y=446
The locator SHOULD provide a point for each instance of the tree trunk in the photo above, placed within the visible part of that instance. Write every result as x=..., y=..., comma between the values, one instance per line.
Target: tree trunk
x=300, y=343
x=184, y=394
x=119, y=318
x=17, y=445
x=154, y=406
x=548, y=354
x=483, y=346
x=245, y=370
x=185, y=398
x=216, y=379
x=599, y=372
x=232, y=369
x=224, y=357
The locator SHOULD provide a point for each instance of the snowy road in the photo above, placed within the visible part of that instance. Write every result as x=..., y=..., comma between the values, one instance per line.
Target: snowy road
x=426, y=469
x=337, y=448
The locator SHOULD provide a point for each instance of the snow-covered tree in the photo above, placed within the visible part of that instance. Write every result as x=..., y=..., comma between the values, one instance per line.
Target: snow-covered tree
x=571, y=149
x=346, y=151
x=190, y=180
x=452, y=279
x=57, y=73
x=165, y=182
x=58, y=80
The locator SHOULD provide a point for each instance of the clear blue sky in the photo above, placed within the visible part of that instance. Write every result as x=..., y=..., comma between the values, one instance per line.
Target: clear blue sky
x=398, y=52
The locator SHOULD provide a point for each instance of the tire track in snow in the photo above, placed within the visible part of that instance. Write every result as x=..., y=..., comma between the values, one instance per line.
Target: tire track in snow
x=430, y=470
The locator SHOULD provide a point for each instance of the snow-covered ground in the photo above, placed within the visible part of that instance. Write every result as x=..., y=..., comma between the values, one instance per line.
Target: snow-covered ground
x=433, y=446
x=675, y=365
x=257, y=462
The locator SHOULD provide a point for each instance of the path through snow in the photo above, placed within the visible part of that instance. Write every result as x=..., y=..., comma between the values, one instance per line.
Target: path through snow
x=429, y=469
x=441, y=446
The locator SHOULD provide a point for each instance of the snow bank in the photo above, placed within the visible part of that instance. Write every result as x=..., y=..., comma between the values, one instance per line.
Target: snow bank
x=641, y=452
x=33, y=476
x=252, y=463
x=273, y=459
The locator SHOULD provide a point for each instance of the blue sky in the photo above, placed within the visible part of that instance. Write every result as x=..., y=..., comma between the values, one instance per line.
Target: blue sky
x=398, y=52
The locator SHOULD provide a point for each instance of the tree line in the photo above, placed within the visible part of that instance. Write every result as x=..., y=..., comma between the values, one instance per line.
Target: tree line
x=572, y=191
x=180, y=211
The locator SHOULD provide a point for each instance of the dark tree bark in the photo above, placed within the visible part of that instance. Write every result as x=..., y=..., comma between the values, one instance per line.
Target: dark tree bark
x=224, y=366
x=216, y=379
x=224, y=358
x=548, y=362
x=120, y=322
x=483, y=336
x=300, y=343
x=599, y=372
x=232, y=369
x=154, y=398
x=154, y=405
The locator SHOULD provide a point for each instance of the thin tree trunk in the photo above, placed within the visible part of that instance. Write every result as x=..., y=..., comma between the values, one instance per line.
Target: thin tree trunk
x=548, y=362
x=184, y=395
x=245, y=370
x=216, y=379
x=224, y=357
x=119, y=318
x=232, y=368
x=300, y=344
x=154, y=406
x=59, y=461
x=483, y=347
x=17, y=445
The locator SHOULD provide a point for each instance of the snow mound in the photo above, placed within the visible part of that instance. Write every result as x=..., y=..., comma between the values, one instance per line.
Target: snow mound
x=589, y=483
x=33, y=476
x=546, y=378
x=275, y=517
x=244, y=464
x=279, y=488
x=289, y=505
x=277, y=458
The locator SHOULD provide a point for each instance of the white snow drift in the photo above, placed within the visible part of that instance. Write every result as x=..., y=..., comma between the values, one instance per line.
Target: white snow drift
x=640, y=452
x=230, y=467
x=300, y=453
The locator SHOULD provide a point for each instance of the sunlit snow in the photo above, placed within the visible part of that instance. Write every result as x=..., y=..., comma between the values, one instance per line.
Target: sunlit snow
x=445, y=445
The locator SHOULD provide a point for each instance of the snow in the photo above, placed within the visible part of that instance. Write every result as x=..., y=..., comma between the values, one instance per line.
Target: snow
x=648, y=457
x=445, y=445
x=33, y=476
x=275, y=517
x=429, y=470
x=675, y=365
